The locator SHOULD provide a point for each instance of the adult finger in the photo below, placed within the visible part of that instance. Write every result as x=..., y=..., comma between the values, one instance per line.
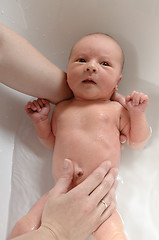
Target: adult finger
x=63, y=184
x=92, y=181
x=108, y=200
x=103, y=189
x=108, y=212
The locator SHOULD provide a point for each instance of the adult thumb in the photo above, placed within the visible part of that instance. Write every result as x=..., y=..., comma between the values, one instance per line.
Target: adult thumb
x=64, y=182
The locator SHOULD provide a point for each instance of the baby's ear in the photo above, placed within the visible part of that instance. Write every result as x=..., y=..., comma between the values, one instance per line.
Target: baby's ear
x=116, y=87
x=120, y=78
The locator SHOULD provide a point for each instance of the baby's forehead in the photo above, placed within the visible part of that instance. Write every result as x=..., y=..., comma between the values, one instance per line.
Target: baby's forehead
x=94, y=40
x=92, y=37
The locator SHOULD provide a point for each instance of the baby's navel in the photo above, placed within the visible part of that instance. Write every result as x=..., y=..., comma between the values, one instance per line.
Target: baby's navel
x=78, y=171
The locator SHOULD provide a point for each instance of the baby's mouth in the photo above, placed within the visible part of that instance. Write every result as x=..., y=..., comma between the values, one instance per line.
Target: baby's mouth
x=89, y=81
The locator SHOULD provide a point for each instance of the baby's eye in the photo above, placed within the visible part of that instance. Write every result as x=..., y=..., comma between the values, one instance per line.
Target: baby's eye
x=105, y=64
x=81, y=60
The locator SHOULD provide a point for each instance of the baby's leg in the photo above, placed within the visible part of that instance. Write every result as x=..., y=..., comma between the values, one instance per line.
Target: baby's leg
x=32, y=220
x=111, y=229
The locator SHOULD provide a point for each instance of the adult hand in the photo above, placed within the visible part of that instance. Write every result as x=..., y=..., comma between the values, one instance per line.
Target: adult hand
x=77, y=213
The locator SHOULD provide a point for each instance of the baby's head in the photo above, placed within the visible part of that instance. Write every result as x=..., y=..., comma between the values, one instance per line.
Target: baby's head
x=95, y=67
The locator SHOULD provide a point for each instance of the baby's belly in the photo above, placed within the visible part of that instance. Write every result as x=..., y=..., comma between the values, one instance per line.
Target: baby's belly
x=86, y=153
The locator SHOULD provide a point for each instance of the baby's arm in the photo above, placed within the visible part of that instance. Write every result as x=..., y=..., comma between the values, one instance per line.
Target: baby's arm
x=38, y=111
x=139, y=132
x=118, y=98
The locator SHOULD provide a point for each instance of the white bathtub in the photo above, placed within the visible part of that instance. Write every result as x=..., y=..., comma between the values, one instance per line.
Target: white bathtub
x=53, y=26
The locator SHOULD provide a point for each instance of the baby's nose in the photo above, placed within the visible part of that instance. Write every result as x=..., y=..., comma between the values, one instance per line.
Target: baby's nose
x=91, y=68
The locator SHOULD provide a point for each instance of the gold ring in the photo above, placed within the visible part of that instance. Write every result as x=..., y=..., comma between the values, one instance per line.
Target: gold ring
x=105, y=204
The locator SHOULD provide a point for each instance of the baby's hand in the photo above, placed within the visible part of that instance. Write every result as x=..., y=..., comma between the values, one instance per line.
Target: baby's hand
x=38, y=110
x=136, y=102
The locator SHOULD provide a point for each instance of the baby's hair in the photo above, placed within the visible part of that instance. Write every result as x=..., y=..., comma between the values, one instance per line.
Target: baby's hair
x=107, y=35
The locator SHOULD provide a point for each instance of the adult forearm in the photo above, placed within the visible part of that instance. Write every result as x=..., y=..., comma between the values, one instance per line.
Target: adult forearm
x=23, y=68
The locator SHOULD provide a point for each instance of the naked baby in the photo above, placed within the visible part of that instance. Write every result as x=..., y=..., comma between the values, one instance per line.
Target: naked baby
x=87, y=128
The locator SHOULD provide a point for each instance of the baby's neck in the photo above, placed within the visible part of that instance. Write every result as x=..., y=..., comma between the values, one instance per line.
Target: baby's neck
x=76, y=99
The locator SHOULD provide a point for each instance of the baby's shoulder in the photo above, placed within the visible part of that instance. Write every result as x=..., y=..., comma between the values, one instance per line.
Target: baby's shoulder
x=119, y=109
x=63, y=103
x=61, y=106
x=116, y=105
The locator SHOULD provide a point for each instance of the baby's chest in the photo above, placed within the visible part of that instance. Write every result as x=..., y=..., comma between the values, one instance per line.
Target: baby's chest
x=88, y=117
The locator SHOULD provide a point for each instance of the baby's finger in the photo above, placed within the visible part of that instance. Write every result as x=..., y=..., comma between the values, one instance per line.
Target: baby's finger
x=122, y=139
x=144, y=99
x=45, y=102
x=135, y=96
x=27, y=106
x=40, y=102
x=33, y=107
x=127, y=98
x=37, y=106
x=30, y=106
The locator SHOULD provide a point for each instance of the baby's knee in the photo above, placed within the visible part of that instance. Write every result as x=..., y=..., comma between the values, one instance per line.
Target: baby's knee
x=22, y=226
x=111, y=229
x=32, y=220
x=109, y=235
x=119, y=236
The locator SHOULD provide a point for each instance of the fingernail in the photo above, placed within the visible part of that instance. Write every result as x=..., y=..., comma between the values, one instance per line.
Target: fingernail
x=65, y=165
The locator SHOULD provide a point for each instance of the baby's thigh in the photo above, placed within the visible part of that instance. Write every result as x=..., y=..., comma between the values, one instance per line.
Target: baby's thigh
x=111, y=229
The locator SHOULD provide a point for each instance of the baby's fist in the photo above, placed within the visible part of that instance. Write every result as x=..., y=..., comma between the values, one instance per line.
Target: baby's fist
x=137, y=102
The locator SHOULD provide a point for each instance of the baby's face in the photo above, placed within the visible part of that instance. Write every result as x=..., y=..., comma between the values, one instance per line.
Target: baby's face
x=94, y=67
